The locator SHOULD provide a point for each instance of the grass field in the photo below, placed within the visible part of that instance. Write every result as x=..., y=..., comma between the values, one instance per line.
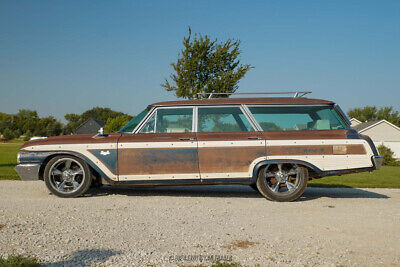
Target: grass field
x=8, y=159
x=387, y=177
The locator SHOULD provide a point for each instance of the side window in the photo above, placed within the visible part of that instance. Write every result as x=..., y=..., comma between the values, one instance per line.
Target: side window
x=297, y=118
x=174, y=120
x=229, y=119
x=149, y=126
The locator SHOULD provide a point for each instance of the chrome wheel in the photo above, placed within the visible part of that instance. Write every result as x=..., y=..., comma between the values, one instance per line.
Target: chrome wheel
x=282, y=179
x=66, y=175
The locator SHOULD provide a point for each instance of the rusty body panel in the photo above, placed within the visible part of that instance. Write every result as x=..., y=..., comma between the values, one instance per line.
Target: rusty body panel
x=313, y=150
x=258, y=100
x=139, y=161
x=153, y=159
x=74, y=139
x=230, y=158
x=305, y=135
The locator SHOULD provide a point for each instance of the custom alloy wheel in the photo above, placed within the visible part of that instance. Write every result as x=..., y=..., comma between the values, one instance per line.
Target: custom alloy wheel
x=67, y=176
x=282, y=181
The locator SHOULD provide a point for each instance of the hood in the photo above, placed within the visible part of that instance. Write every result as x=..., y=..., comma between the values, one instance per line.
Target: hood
x=73, y=139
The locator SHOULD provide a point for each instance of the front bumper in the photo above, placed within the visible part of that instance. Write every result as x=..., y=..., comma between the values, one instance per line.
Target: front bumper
x=28, y=172
x=377, y=160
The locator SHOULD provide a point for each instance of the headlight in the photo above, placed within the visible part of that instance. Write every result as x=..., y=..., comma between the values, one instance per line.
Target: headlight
x=18, y=157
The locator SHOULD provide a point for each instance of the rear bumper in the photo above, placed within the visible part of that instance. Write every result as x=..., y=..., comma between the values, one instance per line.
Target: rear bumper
x=377, y=160
x=28, y=172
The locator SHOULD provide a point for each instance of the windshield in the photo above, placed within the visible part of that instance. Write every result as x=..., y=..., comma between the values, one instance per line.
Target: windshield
x=128, y=128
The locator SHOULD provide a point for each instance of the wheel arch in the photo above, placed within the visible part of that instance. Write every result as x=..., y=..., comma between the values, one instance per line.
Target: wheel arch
x=93, y=168
x=311, y=168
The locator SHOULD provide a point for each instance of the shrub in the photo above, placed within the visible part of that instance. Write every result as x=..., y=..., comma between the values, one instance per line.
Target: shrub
x=28, y=135
x=18, y=260
x=8, y=134
x=387, y=154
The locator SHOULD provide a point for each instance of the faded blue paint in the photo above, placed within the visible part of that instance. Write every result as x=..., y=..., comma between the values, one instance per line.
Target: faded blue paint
x=108, y=157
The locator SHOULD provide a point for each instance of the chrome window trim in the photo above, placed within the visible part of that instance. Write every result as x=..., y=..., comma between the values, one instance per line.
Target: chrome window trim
x=154, y=111
x=144, y=120
x=251, y=118
x=342, y=115
x=225, y=106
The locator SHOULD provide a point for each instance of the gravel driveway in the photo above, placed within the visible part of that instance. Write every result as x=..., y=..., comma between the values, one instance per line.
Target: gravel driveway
x=192, y=225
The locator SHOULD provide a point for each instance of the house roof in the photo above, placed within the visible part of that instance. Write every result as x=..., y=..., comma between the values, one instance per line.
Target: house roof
x=369, y=124
x=90, y=126
x=260, y=100
x=354, y=119
x=363, y=125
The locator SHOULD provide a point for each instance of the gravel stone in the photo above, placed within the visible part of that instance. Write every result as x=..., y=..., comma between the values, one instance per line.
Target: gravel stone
x=184, y=226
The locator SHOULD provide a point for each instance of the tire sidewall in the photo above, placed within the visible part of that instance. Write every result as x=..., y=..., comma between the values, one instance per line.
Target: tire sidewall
x=267, y=193
x=86, y=182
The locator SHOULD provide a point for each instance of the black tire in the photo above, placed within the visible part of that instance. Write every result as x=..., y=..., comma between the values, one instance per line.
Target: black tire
x=85, y=177
x=266, y=191
x=254, y=186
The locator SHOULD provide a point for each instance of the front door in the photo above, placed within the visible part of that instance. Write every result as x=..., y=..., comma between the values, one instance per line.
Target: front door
x=164, y=148
x=228, y=144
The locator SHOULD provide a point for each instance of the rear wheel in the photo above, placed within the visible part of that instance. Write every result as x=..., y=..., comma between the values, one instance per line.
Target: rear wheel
x=282, y=181
x=67, y=176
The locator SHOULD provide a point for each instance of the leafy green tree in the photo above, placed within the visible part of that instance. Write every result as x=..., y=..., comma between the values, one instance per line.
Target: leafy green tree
x=28, y=135
x=372, y=113
x=48, y=126
x=206, y=66
x=8, y=134
x=75, y=120
x=115, y=124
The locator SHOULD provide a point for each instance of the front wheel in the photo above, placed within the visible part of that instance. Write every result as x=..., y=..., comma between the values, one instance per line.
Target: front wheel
x=67, y=176
x=282, y=181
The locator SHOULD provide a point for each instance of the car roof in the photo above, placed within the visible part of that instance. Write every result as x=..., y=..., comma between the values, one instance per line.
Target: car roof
x=258, y=100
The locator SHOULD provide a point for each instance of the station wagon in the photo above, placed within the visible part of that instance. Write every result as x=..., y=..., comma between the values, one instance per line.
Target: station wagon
x=273, y=144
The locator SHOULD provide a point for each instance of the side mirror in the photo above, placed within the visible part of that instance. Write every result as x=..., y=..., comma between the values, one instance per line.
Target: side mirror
x=101, y=131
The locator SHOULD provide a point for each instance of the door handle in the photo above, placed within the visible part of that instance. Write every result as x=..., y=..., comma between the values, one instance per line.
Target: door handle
x=254, y=138
x=187, y=139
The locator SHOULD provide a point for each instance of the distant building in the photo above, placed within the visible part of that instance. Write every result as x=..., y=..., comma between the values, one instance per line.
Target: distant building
x=91, y=126
x=381, y=132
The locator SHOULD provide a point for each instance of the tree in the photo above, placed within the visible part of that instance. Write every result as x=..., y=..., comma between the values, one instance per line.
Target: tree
x=8, y=134
x=115, y=124
x=206, y=66
x=103, y=114
x=372, y=113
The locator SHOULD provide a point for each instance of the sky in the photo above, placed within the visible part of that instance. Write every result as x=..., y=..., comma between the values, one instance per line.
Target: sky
x=61, y=57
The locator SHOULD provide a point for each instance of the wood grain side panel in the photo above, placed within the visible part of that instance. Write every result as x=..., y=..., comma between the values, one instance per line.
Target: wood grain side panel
x=138, y=161
x=228, y=159
x=312, y=150
x=305, y=135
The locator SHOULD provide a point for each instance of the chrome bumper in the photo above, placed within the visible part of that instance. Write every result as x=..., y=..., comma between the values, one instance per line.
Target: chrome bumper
x=28, y=172
x=377, y=160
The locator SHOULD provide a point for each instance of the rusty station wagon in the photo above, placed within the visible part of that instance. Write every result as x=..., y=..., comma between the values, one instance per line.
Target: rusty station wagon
x=273, y=144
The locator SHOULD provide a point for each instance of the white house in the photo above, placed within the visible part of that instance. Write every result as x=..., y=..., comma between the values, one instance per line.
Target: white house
x=381, y=132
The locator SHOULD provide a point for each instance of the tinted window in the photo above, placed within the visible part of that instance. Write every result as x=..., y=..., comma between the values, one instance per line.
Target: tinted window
x=174, y=120
x=229, y=119
x=297, y=118
x=130, y=126
x=149, y=126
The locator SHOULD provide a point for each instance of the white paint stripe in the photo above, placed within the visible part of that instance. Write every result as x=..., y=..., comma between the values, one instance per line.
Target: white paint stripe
x=175, y=176
x=158, y=145
x=246, y=143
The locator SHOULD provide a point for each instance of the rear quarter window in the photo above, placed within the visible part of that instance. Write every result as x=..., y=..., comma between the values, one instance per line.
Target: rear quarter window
x=298, y=118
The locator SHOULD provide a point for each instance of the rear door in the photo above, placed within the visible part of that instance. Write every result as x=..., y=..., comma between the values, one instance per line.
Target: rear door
x=164, y=148
x=228, y=144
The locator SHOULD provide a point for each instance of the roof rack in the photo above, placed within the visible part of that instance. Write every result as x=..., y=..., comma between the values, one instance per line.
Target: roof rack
x=295, y=94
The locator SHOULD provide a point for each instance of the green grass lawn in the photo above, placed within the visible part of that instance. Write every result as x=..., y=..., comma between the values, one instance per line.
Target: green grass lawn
x=8, y=159
x=388, y=177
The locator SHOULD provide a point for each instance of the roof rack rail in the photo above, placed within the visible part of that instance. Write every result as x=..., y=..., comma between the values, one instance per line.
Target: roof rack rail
x=295, y=94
